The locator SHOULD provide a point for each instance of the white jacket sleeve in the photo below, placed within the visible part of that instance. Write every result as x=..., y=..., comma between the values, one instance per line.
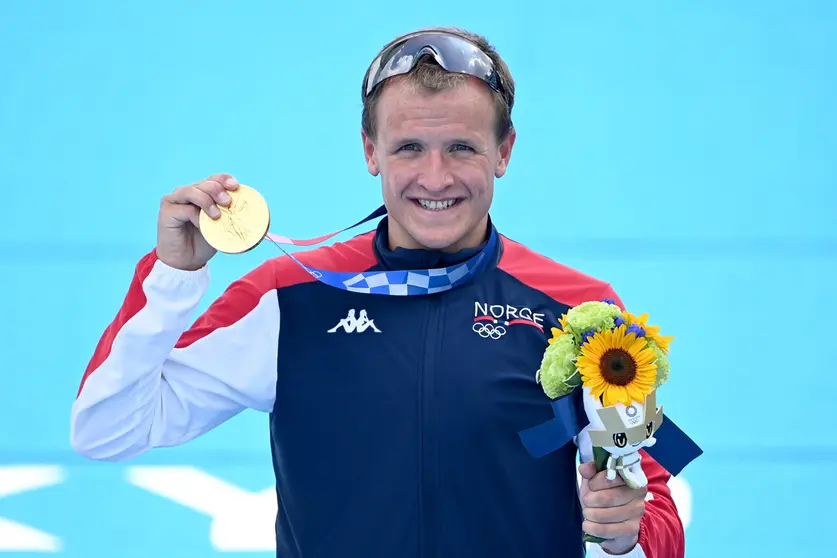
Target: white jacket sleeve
x=155, y=381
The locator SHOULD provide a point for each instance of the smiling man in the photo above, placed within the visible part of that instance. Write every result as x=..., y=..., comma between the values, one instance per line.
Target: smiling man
x=394, y=433
x=438, y=142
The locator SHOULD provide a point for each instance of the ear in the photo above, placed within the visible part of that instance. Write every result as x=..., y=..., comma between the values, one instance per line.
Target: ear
x=505, y=150
x=370, y=153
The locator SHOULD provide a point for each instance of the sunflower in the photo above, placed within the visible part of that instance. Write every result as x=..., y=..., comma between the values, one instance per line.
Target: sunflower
x=617, y=366
x=651, y=332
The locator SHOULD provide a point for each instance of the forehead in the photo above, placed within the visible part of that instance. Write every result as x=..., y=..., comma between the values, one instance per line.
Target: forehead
x=469, y=106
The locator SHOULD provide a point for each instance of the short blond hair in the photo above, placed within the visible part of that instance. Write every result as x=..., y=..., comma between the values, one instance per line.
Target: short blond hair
x=430, y=76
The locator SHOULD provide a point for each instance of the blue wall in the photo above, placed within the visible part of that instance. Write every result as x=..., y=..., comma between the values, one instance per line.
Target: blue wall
x=683, y=151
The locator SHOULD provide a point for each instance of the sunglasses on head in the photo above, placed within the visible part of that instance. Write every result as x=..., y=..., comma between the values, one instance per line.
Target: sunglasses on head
x=451, y=52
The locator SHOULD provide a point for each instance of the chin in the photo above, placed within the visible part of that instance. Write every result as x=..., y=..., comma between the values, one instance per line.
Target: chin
x=442, y=242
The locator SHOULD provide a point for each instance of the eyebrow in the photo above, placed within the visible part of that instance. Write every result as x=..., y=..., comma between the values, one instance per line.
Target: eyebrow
x=407, y=140
x=404, y=140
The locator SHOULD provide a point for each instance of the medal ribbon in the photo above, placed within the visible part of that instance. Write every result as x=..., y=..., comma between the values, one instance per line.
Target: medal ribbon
x=394, y=283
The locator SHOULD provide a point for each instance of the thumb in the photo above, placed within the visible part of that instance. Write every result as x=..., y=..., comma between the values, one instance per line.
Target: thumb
x=587, y=470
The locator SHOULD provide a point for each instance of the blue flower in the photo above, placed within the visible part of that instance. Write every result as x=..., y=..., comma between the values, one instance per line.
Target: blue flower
x=636, y=329
x=619, y=320
x=610, y=301
x=586, y=335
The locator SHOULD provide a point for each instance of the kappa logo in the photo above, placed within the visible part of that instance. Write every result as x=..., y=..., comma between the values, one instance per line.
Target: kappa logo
x=352, y=324
x=492, y=321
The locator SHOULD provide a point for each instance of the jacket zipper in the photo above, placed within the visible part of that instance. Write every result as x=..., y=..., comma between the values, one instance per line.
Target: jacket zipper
x=428, y=439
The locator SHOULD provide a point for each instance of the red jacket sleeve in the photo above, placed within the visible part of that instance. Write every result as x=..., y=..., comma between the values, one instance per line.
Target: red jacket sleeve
x=661, y=533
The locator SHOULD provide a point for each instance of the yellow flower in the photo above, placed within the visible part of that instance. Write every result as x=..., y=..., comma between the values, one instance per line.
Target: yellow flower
x=617, y=366
x=556, y=333
x=651, y=332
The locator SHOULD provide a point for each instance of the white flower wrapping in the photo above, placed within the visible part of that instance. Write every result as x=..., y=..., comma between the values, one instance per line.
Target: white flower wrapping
x=621, y=431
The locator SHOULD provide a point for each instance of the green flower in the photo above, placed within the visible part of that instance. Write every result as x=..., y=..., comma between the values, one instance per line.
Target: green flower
x=592, y=316
x=558, y=374
x=662, y=364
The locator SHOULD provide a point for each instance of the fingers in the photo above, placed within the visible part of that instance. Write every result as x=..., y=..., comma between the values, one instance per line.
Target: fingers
x=612, y=510
x=198, y=196
x=617, y=513
x=206, y=195
x=612, y=497
x=226, y=180
x=587, y=470
x=601, y=482
x=611, y=531
x=185, y=213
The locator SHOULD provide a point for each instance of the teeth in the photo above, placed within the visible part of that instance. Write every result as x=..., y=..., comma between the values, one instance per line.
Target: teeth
x=436, y=205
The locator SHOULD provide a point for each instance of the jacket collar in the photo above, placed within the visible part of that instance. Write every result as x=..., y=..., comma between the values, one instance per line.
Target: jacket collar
x=403, y=258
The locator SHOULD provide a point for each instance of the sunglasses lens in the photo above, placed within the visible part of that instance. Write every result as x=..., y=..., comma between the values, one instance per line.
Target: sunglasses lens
x=452, y=53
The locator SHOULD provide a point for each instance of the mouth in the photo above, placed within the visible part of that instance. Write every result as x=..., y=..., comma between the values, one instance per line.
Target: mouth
x=437, y=205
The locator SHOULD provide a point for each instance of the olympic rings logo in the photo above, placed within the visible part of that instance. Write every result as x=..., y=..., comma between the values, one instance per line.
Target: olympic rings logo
x=489, y=330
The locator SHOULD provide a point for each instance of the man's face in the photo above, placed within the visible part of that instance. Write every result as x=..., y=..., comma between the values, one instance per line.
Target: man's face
x=438, y=157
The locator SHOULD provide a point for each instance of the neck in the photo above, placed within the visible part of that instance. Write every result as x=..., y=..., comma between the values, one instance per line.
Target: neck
x=410, y=255
x=398, y=238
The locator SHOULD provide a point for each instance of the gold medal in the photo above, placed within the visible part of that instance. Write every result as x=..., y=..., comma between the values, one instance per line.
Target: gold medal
x=242, y=225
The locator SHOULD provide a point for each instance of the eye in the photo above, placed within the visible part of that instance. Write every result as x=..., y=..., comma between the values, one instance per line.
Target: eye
x=409, y=147
x=462, y=147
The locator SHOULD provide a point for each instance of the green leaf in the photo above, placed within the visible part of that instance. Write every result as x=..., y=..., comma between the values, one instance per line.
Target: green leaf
x=600, y=457
x=592, y=539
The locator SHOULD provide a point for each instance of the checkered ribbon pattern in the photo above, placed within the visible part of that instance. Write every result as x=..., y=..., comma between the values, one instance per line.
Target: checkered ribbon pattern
x=413, y=282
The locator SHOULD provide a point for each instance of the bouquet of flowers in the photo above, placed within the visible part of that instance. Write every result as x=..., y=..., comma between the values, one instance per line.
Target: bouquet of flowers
x=618, y=361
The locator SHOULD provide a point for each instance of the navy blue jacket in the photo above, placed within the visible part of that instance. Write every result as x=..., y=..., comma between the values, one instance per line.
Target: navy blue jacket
x=395, y=435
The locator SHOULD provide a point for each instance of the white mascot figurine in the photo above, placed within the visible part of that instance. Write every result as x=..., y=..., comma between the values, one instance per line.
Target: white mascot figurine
x=621, y=431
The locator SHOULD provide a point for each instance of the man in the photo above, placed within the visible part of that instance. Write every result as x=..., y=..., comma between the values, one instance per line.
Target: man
x=400, y=438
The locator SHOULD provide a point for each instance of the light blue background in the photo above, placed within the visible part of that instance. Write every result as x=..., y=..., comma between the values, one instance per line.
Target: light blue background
x=684, y=151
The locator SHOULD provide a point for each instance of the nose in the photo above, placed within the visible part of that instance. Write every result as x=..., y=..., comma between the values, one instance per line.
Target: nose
x=435, y=173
